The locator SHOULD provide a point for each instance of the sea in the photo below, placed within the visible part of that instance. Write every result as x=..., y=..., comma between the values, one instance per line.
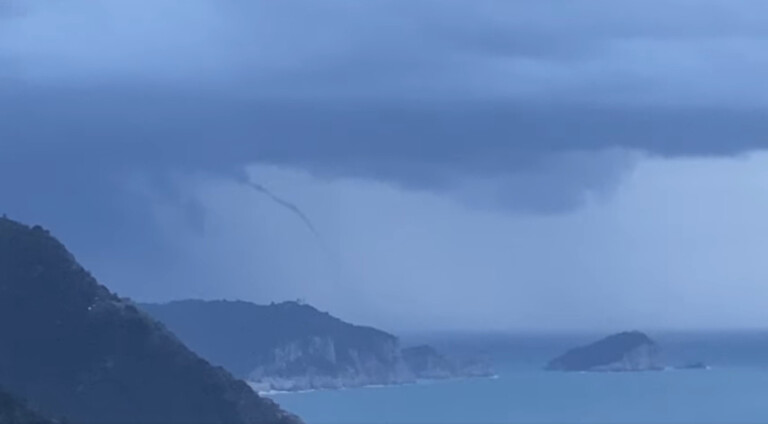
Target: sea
x=733, y=390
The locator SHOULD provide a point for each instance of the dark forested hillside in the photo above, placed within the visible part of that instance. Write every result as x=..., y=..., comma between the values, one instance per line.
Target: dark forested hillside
x=15, y=411
x=78, y=351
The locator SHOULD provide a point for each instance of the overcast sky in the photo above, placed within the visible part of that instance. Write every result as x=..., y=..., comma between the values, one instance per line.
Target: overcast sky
x=467, y=164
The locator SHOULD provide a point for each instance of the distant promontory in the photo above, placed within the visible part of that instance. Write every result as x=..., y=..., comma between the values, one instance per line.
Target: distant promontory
x=292, y=346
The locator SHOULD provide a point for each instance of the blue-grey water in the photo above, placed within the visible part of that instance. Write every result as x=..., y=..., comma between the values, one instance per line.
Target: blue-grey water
x=735, y=390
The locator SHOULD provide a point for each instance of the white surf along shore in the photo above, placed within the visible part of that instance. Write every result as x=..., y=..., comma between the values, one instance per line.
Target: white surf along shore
x=264, y=390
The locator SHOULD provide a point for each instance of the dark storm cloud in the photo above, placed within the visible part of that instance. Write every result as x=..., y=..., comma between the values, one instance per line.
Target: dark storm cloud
x=159, y=126
x=114, y=114
x=344, y=85
x=419, y=145
x=424, y=94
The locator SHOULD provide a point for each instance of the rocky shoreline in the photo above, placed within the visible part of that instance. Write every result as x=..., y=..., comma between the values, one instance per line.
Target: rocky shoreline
x=317, y=365
x=294, y=387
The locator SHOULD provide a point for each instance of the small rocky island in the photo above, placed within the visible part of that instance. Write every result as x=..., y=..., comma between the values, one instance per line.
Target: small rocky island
x=694, y=366
x=623, y=352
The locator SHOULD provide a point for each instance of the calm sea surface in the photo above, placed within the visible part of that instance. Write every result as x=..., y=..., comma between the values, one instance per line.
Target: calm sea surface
x=735, y=390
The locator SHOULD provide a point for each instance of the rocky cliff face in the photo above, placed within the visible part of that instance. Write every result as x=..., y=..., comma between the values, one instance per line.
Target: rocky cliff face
x=640, y=358
x=628, y=351
x=425, y=362
x=321, y=363
x=308, y=350
x=77, y=351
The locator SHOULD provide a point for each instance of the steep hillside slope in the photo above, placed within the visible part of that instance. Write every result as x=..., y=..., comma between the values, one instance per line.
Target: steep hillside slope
x=78, y=351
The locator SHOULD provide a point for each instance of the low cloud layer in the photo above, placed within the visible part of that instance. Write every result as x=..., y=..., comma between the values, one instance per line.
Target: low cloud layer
x=678, y=247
